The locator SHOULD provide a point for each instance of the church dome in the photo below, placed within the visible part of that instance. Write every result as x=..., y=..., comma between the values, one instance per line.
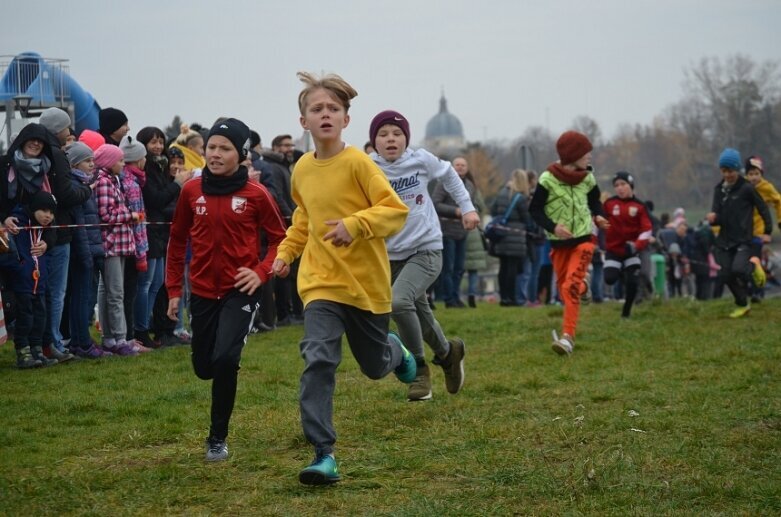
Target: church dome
x=444, y=124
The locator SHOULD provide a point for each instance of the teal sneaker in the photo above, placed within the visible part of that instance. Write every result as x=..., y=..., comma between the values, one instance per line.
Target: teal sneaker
x=407, y=370
x=322, y=471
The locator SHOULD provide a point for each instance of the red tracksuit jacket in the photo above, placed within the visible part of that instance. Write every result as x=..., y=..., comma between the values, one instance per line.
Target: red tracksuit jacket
x=224, y=233
x=629, y=222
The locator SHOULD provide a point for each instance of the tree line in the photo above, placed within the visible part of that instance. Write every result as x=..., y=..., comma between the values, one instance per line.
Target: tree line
x=734, y=102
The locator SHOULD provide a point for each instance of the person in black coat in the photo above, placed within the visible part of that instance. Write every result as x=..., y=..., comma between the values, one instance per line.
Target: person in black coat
x=165, y=175
x=22, y=176
x=512, y=248
x=86, y=257
x=734, y=200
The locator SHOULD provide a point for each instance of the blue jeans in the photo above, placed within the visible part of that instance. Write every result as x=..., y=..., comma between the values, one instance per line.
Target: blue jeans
x=453, y=257
x=80, y=310
x=473, y=282
x=598, y=281
x=533, y=286
x=522, y=282
x=145, y=296
x=59, y=257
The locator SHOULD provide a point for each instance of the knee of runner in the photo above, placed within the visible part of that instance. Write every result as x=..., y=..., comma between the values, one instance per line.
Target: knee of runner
x=374, y=375
x=402, y=304
x=203, y=372
x=225, y=365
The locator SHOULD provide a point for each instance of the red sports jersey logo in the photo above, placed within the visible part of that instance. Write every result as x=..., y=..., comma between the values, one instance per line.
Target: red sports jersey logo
x=239, y=204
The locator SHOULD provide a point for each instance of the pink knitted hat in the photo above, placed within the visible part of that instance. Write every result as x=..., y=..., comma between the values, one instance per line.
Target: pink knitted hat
x=107, y=155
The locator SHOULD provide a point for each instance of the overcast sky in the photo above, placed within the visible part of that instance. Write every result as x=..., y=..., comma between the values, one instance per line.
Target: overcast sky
x=504, y=65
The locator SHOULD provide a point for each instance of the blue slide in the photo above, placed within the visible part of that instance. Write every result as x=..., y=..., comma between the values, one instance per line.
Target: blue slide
x=31, y=75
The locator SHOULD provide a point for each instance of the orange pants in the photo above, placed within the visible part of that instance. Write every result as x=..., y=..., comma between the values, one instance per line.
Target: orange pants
x=571, y=266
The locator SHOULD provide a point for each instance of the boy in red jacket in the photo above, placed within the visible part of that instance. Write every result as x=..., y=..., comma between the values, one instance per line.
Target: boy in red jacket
x=627, y=235
x=222, y=213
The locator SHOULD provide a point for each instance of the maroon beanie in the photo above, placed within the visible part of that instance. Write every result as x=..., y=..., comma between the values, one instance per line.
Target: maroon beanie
x=388, y=117
x=572, y=146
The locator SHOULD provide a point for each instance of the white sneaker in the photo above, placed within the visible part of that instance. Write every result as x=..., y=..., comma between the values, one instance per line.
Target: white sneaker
x=585, y=298
x=216, y=450
x=563, y=345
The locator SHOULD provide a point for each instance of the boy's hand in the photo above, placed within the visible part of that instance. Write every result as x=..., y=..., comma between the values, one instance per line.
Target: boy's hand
x=181, y=176
x=253, y=174
x=602, y=222
x=173, y=308
x=280, y=269
x=38, y=249
x=562, y=232
x=247, y=280
x=765, y=238
x=10, y=224
x=470, y=220
x=339, y=236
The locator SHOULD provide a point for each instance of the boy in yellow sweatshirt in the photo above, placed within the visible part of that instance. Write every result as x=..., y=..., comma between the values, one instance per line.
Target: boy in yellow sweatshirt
x=755, y=174
x=346, y=209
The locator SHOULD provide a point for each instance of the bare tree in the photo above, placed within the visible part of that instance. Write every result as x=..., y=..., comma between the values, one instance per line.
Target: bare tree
x=737, y=97
x=589, y=127
x=172, y=130
x=486, y=174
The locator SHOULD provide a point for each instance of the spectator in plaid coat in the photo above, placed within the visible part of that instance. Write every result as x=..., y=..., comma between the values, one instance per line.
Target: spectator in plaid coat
x=118, y=243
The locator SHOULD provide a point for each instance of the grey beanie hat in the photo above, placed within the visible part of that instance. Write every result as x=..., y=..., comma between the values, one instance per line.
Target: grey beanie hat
x=55, y=120
x=132, y=149
x=77, y=152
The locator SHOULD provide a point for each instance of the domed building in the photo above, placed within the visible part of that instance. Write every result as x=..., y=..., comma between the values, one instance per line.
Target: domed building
x=444, y=133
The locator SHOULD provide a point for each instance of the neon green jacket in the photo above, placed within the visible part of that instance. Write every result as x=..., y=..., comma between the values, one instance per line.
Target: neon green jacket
x=556, y=202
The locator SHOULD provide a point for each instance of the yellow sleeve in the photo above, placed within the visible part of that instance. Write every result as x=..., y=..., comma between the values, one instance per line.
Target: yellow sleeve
x=386, y=214
x=774, y=199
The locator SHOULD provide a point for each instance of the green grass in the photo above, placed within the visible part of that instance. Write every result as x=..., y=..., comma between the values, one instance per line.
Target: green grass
x=531, y=432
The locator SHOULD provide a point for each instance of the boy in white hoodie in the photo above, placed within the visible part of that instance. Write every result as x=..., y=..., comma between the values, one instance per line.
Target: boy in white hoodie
x=416, y=251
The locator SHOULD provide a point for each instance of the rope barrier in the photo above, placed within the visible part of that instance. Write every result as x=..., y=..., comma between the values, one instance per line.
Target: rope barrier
x=84, y=225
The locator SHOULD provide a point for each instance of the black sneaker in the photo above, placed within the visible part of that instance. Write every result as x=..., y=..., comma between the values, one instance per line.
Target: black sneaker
x=216, y=450
x=167, y=340
x=145, y=339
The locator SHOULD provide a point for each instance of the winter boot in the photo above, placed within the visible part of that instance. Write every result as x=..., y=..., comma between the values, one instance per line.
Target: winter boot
x=25, y=359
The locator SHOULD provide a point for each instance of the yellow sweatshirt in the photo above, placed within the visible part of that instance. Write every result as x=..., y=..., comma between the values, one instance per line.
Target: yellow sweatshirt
x=351, y=187
x=192, y=160
x=772, y=198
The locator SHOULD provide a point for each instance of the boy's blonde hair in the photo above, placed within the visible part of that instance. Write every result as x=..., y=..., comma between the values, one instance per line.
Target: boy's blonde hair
x=334, y=84
x=187, y=135
x=519, y=182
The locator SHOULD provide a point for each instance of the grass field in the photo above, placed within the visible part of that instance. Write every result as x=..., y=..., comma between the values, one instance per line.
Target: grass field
x=676, y=411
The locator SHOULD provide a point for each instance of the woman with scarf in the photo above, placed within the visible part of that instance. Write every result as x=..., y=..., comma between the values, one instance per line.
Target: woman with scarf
x=24, y=170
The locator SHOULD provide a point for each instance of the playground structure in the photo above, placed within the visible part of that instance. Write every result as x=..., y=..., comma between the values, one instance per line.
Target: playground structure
x=31, y=83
